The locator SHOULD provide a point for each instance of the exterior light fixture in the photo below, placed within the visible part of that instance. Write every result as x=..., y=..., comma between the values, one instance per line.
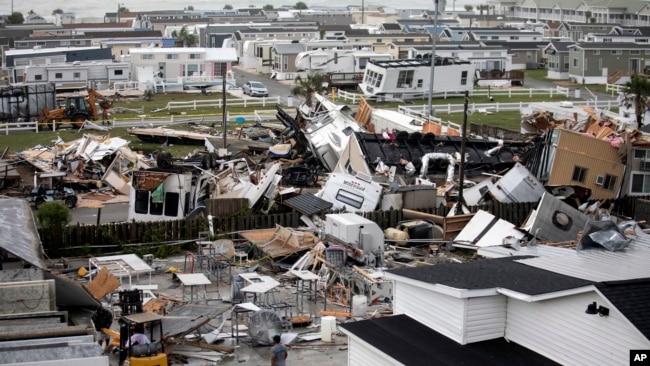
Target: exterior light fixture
x=593, y=309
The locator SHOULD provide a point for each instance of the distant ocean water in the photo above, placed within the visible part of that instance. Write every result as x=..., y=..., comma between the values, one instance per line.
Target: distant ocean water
x=97, y=9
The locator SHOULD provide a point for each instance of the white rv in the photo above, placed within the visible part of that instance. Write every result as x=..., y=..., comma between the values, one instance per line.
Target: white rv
x=402, y=78
x=352, y=193
x=166, y=193
x=337, y=60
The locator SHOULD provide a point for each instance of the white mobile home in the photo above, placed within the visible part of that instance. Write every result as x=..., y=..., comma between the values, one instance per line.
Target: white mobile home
x=98, y=75
x=404, y=78
x=335, y=60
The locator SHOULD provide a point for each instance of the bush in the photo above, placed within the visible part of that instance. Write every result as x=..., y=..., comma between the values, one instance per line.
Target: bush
x=53, y=218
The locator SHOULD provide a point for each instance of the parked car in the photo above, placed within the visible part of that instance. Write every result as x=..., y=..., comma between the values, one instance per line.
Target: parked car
x=255, y=89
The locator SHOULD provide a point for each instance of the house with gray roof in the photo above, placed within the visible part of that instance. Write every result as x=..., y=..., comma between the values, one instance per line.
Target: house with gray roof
x=52, y=41
x=557, y=60
x=284, y=60
x=554, y=303
x=508, y=35
x=606, y=63
x=624, y=12
x=523, y=55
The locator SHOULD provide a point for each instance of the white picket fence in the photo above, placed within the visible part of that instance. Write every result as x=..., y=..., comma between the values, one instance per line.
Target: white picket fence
x=354, y=98
x=9, y=127
x=217, y=103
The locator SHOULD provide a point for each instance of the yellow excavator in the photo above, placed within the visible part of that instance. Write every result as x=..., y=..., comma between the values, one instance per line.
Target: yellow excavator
x=76, y=111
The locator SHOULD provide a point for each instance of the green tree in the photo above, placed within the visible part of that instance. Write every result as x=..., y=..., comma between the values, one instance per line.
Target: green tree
x=184, y=38
x=267, y=7
x=300, y=6
x=31, y=12
x=123, y=9
x=189, y=7
x=307, y=87
x=16, y=18
x=57, y=11
x=636, y=94
x=227, y=7
x=53, y=218
x=469, y=8
x=482, y=8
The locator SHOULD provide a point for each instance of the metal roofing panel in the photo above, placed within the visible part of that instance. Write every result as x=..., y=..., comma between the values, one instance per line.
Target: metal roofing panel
x=598, y=264
x=19, y=233
x=308, y=204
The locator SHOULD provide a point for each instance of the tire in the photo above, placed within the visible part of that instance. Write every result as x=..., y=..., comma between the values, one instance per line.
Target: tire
x=78, y=120
x=39, y=202
x=70, y=202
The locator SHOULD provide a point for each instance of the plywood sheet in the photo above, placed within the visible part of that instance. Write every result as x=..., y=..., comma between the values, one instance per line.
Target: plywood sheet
x=103, y=284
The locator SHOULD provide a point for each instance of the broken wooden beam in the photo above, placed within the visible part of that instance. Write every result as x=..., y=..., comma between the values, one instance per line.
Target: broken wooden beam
x=342, y=314
x=365, y=274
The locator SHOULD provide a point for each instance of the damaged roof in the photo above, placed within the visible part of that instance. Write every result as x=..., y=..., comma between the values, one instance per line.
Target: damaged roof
x=598, y=265
x=493, y=273
x=18, y=229
x=413, y=146
x=412, y=343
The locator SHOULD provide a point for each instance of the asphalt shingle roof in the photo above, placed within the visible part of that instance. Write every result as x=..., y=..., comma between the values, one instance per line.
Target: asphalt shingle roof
x=632, y=298
x=412, y=343
x=492, y=273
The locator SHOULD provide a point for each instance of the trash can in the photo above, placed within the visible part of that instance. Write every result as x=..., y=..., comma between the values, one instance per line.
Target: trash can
x=290, y=101
x=577, y=93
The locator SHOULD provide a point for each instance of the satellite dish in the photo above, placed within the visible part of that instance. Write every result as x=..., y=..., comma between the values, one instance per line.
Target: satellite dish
x=470, y=112
x=263, y=325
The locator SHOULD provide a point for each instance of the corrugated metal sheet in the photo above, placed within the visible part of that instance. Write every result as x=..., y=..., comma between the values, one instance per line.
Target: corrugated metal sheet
x=598, y=265
x=486, y=318
x=361, y=353
x=308, y=204
x=539, y=250
x=442, y=313
x=561, y=330
x=18, y=231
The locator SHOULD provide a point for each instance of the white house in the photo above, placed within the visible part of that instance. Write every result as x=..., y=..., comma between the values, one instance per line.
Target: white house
x=183, y=64
x=569, y=307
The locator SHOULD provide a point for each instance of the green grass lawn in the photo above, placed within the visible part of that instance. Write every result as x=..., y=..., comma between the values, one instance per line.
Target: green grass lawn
x=22, y=141
x=154, y=108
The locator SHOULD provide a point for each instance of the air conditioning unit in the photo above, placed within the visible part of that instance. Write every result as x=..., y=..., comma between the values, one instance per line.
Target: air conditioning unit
x=600, y=180
x=364, y=177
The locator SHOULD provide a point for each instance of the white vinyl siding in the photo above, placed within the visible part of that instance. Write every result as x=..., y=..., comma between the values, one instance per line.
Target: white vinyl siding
x=561, y=330
x=486, y=318
x=361, y=353
x=442, y=313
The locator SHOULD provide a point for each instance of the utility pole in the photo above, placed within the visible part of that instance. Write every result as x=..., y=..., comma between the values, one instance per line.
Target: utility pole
x=433, y=58
x=463, y=139
x=223, y=106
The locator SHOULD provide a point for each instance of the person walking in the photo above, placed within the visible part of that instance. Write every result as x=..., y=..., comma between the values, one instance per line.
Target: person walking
x=105, y=115
x=102, y=318
x=278, y=352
